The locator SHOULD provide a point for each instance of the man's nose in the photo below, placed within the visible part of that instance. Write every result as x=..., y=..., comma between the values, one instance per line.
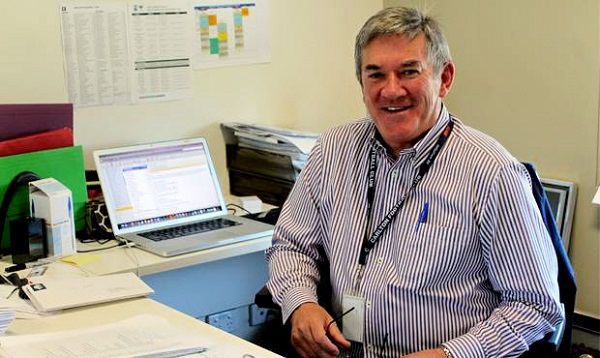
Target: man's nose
x=393, y=87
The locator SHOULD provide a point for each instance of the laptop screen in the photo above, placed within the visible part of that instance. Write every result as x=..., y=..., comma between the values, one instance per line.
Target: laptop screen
x=158, y=185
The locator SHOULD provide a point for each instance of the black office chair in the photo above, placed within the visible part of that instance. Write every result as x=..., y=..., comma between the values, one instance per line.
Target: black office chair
x=554, y=345
x=280, y=339
x=557, y=344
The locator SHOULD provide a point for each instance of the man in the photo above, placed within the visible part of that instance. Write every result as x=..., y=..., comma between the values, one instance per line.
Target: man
x=434, y=244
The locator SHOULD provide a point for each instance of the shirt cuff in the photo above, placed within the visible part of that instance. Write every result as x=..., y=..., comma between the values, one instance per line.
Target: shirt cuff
x=467, y=346
x=294, y=298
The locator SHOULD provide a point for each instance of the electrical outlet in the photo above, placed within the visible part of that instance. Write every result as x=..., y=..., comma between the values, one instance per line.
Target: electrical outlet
x=259, y=315
x=223, y=320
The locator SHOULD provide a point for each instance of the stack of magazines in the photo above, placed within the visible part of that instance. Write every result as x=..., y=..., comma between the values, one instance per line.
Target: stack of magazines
x=265, y=161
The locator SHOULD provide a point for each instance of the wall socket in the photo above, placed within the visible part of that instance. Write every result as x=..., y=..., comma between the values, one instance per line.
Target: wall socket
x=259, y=315
x=223, y=320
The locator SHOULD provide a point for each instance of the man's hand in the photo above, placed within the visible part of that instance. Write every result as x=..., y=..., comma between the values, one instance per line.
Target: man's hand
x=312, y=336
x=430, y=353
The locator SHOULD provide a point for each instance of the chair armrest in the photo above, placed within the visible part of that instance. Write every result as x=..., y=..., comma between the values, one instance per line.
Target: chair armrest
x=557, y=335
x=263, y=299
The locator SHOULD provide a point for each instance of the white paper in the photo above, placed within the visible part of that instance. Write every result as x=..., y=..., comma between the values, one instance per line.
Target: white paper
x=161, y=50
x=596, y=199
x=276, y=139
x=127, y=53
x=56, y=294
x=95, y=54
x=140, y=336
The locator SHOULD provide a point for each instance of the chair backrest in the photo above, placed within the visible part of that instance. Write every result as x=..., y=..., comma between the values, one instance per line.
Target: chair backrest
x=561, y=339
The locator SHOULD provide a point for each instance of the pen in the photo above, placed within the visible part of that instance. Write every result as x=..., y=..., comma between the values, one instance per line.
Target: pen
x=422, y=216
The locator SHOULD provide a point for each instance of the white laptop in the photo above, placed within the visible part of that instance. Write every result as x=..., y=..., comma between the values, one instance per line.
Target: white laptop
x=166, y=198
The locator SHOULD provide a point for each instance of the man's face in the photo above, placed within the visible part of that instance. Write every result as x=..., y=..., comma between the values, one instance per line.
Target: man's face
x=401, y=90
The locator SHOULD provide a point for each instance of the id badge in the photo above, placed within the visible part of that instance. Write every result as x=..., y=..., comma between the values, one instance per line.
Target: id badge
x=353, y=322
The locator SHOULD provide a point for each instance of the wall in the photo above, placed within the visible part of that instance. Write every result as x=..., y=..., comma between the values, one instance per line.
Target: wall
x=528, y=74
x=308, y=85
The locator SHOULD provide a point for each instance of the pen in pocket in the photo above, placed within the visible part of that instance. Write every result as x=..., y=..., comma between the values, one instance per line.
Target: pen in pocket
x=422, y=216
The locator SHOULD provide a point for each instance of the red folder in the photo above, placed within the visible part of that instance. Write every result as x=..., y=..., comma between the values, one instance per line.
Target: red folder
x=56, y=138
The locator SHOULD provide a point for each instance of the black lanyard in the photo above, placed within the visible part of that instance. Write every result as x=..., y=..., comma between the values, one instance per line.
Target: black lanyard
x=369, y=242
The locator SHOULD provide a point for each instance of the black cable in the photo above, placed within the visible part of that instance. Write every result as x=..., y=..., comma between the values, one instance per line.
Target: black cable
x=121, y=243
x=21, y=179
x=100, y=248
x=335, y=320
x=91, y=239
x=237, y=206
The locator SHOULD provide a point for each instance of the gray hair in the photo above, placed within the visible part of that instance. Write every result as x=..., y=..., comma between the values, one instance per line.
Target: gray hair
x=406, y=22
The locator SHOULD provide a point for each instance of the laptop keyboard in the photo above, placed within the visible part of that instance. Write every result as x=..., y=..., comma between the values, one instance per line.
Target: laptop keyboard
x=191, y=229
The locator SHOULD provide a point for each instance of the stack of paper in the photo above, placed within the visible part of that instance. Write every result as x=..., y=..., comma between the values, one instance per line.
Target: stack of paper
x=139, y=336
x=48, y=295
x=276, y=140
x=7, y=314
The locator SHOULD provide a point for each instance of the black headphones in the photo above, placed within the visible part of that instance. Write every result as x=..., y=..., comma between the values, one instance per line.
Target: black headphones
x=23, y=178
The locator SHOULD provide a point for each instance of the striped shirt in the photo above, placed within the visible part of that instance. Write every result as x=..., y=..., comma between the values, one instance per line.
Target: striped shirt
x=479, y=276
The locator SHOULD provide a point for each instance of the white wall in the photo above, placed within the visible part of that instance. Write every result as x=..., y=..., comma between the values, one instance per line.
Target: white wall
x=528, y=74
x=308, y=85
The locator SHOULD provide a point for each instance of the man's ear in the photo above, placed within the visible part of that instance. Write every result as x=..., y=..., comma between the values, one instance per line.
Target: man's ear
x=447, y=78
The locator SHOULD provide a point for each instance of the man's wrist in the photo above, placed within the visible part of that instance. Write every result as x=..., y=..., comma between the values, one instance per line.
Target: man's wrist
x=446, y=352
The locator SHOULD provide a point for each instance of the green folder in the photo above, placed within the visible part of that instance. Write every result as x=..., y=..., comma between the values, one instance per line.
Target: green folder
x=63, y=164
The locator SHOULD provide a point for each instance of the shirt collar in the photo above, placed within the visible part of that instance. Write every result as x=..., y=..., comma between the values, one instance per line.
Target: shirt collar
x=423, y=145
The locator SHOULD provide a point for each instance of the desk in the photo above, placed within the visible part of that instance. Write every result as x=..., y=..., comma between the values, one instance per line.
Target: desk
x=199, y=283
x=143, y=263
x=225, y=345
x=148, y=266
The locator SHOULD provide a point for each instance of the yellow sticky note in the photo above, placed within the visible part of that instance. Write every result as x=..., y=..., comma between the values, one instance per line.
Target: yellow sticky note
x=80, y=259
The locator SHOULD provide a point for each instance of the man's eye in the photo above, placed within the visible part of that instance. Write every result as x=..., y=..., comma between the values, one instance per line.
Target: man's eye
x=375, y=75
x=409, y=73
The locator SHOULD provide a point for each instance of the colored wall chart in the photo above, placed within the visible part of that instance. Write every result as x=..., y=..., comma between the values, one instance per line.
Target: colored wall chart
x=231, y=33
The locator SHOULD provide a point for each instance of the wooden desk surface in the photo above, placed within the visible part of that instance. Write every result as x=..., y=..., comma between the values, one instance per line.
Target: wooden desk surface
x=123, y=259
x=223, y=344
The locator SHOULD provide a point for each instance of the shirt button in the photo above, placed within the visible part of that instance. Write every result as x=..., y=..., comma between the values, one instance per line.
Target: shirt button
x=368, y=303
x=369, y=347
x=394, y=173
x=380, y=260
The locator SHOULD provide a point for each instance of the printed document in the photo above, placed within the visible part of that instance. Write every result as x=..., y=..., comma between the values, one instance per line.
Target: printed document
x=118, y=53
x=140, y=336
x=48, y=295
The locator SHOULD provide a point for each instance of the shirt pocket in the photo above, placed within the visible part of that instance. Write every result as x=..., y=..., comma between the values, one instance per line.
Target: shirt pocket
x=434, y=257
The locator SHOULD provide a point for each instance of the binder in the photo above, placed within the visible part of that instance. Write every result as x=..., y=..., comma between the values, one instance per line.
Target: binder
x=20, y=120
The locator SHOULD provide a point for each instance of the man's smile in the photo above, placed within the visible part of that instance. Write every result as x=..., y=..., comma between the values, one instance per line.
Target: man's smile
x=397, y=109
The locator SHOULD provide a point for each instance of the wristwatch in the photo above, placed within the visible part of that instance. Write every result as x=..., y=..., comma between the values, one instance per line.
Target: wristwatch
x=446, y=352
